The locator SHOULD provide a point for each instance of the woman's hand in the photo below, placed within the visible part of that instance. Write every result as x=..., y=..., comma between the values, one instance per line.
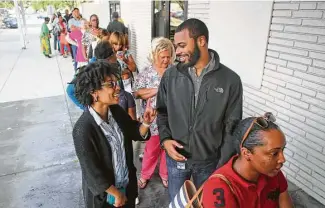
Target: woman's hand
x=120, y=55
x=149, y=115
x=120, y=199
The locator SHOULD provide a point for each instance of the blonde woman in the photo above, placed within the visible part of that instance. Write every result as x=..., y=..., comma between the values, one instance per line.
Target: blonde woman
x=124, y=58
x=161, y=56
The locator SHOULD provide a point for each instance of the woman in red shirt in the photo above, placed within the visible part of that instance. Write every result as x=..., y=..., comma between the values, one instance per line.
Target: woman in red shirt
x=251, y=179
x=64, y=45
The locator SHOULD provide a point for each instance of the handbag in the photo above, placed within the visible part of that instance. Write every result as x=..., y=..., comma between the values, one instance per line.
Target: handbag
x=189, y=197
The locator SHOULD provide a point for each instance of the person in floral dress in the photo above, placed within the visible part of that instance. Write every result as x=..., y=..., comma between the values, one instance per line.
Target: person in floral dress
x=146, y=87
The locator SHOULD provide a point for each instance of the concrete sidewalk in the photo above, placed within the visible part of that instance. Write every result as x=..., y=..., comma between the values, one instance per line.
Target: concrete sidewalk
x=38, y=166
x=38, y=163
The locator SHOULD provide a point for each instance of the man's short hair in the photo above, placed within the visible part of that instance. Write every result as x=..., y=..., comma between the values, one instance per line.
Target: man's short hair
x=75, y=9
x=195, y=27
x=115, y=15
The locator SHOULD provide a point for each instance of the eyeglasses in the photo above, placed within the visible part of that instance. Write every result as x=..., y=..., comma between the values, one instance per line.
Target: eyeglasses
x=262, y=122
x=110, y=84
x=94, y=20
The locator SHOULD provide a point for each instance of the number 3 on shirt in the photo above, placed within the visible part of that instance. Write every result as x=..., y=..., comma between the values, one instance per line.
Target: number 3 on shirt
x=220, y=197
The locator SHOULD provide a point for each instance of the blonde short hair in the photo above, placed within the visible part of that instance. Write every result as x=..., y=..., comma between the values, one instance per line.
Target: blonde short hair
x=117, y=38
x=159, y=45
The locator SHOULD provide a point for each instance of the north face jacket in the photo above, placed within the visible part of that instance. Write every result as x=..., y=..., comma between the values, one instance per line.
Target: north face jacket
x=204, y=130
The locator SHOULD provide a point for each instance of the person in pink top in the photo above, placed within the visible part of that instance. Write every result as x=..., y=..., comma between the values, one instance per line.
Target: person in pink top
x=76, y=35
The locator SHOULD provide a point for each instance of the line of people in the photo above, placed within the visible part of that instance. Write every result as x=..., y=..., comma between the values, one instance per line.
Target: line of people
x=198, y=103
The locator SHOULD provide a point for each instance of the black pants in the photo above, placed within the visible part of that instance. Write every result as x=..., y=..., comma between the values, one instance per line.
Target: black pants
x=71, y=52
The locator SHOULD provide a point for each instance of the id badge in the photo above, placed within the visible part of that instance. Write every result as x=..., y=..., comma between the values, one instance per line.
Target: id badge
x=181, y=166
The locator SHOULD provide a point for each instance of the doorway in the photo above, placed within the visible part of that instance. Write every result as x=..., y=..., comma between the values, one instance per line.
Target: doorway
x=166, y=16
x=114, y=6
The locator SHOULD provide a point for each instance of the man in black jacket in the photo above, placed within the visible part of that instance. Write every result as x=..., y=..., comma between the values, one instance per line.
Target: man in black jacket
x=116, y=25
x=198, y=103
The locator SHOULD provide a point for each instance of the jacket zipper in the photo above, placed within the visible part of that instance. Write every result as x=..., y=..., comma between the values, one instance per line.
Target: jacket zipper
x=191, y=117
x=199, y=101
x=193, y=111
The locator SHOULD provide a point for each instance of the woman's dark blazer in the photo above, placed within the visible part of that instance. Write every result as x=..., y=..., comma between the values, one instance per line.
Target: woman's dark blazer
x=95, y=156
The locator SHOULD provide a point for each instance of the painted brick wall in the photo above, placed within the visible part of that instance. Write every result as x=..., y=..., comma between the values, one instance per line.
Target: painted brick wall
x=138, y=19
x=199, y=9
x=293, y=87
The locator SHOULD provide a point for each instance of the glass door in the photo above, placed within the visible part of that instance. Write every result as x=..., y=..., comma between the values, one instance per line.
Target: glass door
x=166, y=16
x=114, y=6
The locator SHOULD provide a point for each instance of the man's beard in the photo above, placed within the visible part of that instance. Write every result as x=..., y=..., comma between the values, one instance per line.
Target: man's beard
x=193, y=58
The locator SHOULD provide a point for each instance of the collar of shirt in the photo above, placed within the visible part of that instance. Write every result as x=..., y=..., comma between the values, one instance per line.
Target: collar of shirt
x=97, y=118
x=209, y=67
x=259, y=186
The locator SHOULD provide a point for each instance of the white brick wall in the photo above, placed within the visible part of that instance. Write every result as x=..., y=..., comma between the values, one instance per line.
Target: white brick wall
x=295, y=76
x=293, y=87
x=199, y=9
x=138, y=19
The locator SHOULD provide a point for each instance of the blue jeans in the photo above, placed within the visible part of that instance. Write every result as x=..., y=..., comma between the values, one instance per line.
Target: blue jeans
x=72, y=96
x=59, y=46
x=74, y=52
x=176, y=177
x=56, y=42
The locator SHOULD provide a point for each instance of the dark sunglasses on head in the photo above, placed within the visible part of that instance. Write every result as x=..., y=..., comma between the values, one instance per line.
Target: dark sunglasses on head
x=262, y=122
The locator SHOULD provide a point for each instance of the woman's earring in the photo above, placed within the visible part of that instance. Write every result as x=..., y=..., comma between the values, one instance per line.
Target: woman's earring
x=96, y=99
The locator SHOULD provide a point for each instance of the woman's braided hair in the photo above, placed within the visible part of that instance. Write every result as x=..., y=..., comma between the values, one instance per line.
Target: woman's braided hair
x=254, y=138
x=90, y=78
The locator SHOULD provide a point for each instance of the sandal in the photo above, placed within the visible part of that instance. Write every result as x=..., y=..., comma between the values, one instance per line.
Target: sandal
x=142, y=184
x=165, y=183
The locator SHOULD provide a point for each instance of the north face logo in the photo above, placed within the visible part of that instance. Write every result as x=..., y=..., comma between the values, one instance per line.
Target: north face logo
x=218, y=90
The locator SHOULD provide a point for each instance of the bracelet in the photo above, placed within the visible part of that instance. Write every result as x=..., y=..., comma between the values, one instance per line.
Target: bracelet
x=146, y=125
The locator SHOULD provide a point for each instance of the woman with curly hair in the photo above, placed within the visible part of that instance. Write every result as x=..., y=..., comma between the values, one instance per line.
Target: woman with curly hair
x=103, y=138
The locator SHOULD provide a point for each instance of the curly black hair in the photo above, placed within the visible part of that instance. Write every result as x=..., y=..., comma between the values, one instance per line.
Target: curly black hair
x=90, y=78
x=254, y=137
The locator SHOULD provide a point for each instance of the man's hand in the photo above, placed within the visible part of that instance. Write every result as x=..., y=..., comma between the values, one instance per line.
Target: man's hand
x=170, y=147
x=120, y=200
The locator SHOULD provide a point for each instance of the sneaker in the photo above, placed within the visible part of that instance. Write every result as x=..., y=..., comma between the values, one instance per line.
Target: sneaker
x=137, y=201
